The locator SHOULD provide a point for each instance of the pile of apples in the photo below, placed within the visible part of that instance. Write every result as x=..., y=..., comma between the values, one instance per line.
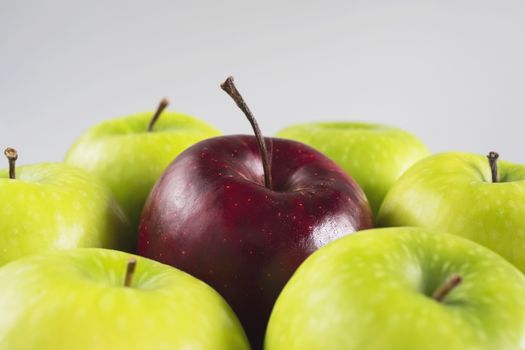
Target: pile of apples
x=157, y=233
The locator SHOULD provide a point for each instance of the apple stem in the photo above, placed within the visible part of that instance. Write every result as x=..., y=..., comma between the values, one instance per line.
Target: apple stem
x=12, y=156
x=453, y=281
x=493, y=161
x=130, y=270
x=162, y=106
x=229, y=87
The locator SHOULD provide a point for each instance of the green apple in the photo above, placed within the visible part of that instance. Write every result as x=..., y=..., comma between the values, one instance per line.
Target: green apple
x=455, y=192
x=401, y=288
x=129, y=154
x=52, y=206
x=374, y=155
x=87, y=299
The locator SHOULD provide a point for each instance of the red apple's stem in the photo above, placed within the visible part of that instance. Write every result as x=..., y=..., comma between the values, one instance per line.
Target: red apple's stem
x=493, y=161
x=130, y=270
x=12, y=156
x=453, y=281
x=162, y=106
x=231, y=90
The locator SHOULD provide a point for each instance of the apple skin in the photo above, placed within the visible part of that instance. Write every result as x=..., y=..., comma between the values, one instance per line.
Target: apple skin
x=211, y=215
x=76, y=300
x=453, y=192
x=374, y=155
x=129, y=159
x=52, y=206
x=372, y=291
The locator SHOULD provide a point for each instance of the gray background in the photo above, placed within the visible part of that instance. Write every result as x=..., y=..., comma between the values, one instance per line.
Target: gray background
x=452, y=72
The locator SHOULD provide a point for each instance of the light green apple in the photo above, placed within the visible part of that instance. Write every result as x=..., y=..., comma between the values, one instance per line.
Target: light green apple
x=401, y=288
x=454, y=192
x=87, y=299
x=129, y=158
x=53, y=206
x=373, y=155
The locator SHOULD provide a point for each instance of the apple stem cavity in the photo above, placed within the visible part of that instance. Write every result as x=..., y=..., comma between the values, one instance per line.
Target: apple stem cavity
x=130, y=270
x=12, y=156
x=229, y=87
x=162, y=106
x=493, y=161
x=452, y=282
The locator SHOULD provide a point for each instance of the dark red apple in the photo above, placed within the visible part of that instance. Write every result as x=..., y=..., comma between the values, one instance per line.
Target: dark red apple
x=218, y=215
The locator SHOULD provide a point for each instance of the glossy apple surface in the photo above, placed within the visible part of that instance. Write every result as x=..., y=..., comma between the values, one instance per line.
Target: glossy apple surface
x=52, y=206
x=454, y=192
x=374, y=155
x=129, y=159
x=211, y=215
x=375, y=290
x=76, y=300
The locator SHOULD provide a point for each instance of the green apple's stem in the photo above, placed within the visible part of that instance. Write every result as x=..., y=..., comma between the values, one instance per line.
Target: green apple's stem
x=130, y=270
x=12, y=156
x=162, y=106
x=493, y=161
x=452, y=282
x=231, y=90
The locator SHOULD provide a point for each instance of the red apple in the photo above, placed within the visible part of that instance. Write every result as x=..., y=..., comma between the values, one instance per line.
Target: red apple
x=220, y=213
